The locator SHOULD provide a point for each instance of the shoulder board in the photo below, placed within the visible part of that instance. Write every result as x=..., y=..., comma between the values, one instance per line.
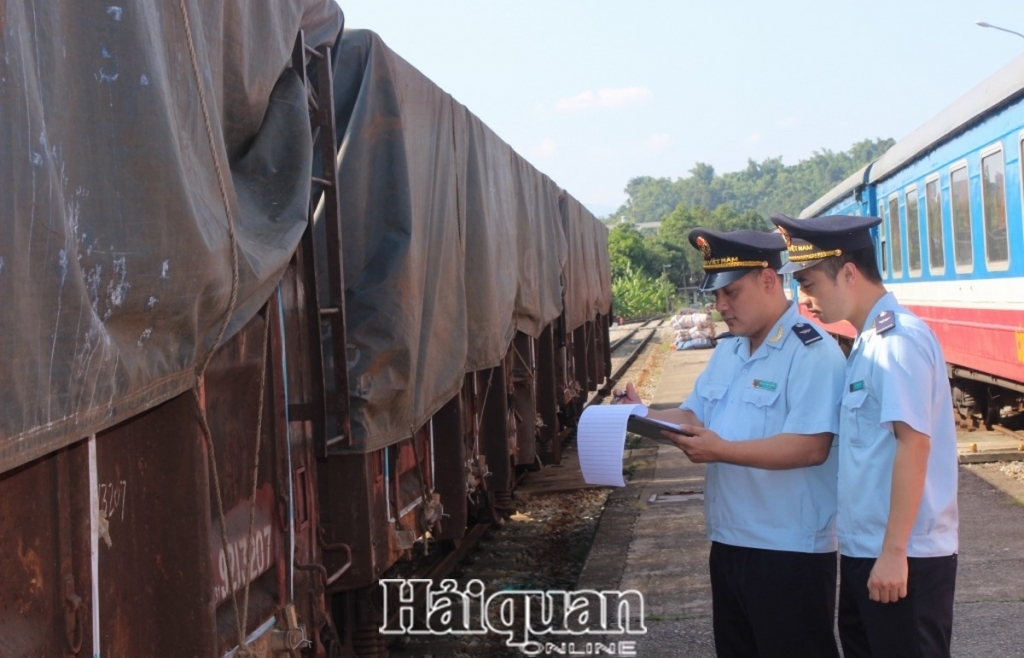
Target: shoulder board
x=806, y=333
x=885, y=321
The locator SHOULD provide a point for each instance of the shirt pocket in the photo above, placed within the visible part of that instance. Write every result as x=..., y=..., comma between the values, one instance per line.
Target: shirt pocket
x=759, y=411
x=855, y=423
x=710, y=396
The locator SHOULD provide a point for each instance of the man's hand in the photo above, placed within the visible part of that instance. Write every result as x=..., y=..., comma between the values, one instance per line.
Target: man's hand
x=704, y=446
x=628, y=396
x=888, y=580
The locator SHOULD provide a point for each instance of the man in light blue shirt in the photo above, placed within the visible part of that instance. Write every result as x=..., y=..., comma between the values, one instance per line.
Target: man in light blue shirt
x=763, y=415
x=897, y=518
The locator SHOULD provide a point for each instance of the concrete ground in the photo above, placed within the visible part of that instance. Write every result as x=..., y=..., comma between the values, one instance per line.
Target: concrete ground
x=652, y=538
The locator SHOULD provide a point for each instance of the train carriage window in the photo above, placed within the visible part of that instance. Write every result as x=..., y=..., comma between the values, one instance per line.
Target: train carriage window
x=993, y=197
x=936, y=240
x=896, y=236
x=959, y=190
x=913, y=232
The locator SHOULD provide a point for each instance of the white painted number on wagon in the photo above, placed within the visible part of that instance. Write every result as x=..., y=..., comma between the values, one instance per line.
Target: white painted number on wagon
x=259, y=562
x=112, y=498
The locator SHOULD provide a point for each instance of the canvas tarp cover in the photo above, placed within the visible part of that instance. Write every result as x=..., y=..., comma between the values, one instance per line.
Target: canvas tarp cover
x=451, y=242
x=541, y=243
x=115, y=259
x=598, y=274
x=492, y=269
x=577, y=294
x=604, y=264
x=588, y=271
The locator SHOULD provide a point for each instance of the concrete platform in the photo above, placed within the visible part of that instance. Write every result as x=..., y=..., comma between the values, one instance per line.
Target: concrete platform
x=652, y=538
x=984, y=446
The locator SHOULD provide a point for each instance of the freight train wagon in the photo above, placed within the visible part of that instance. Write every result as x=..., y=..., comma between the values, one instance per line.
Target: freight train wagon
x=276, y=308
x=951, y=244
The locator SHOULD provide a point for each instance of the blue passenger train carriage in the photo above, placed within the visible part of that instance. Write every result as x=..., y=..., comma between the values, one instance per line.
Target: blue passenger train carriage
x=951, y=244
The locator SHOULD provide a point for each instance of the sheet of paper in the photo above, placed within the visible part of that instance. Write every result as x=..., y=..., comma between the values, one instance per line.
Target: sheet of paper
x=601, y=440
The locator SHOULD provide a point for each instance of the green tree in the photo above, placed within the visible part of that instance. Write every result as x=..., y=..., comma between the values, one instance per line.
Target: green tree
x=761, y=187
x=628, y=249
x=637, y=295
x=649, y=199
x=727, y=202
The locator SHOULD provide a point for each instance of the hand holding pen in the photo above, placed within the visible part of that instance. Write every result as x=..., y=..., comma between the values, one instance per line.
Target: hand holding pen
x=629, y=395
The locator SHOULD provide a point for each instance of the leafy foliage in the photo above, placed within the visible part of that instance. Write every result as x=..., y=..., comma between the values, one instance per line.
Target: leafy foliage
x=637, y=295
x=627, y=249
x=648, y=269
x=765, y=187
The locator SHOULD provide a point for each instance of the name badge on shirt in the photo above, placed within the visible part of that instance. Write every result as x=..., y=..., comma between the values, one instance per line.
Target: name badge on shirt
x=766, y=385
x=857, y=386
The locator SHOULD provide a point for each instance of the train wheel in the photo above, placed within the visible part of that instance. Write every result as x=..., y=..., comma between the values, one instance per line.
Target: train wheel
x=965, y=405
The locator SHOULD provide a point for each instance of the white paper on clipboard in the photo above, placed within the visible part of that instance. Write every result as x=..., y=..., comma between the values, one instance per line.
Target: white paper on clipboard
x=601, y=439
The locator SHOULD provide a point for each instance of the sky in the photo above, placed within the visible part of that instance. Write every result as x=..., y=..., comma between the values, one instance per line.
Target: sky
x=594, y=93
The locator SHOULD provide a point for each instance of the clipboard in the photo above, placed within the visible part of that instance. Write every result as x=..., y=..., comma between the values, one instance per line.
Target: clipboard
x=651, y=429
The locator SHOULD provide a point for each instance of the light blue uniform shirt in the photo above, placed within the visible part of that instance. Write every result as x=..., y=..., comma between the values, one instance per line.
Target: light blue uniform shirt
x=785, y=386
x=896, y=372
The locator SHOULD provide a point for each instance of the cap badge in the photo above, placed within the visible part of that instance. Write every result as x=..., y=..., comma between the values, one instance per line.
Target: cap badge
x=704, y=247
x=785, y=236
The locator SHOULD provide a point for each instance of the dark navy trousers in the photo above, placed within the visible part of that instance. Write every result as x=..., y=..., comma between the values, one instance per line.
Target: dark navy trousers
x=918, y=626
x=773, y=604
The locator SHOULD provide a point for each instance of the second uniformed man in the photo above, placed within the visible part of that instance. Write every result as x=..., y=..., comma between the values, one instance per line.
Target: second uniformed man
x=897, y=518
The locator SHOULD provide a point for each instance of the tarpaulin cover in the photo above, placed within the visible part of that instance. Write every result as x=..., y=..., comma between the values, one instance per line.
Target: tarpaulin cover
x=115, y=259
x=492, y=269
x=452, y=242
x=541, y=245
x=405, y=300
x=604, y=264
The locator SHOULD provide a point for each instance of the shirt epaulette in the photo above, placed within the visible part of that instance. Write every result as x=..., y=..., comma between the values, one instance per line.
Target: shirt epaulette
x=885, y=321
x=806, y=333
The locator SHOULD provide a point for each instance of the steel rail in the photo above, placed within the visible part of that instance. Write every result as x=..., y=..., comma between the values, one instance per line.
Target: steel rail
x=434, y=571
x=606, y=390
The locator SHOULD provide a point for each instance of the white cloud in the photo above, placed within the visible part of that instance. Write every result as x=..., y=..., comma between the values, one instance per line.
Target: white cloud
x=754, y=138
x=605, y=98
x=546, y=149
x=658, y=143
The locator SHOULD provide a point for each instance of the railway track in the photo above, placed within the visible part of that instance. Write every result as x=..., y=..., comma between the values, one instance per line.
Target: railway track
x=540, y=547
x=625, y=351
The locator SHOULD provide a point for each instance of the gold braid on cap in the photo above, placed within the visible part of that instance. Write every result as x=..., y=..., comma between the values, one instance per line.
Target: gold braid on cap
x=803, y=258
x=727, y=264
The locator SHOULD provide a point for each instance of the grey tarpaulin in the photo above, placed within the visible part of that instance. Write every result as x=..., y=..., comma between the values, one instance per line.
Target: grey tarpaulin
x=452, y=242
x=114, y=253
x=492, y=270
x=604, y=265
x=405, y=300
x=541, y=245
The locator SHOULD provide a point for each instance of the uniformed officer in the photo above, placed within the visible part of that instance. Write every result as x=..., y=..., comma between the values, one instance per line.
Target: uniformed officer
x=897, y=520
x=763, y=415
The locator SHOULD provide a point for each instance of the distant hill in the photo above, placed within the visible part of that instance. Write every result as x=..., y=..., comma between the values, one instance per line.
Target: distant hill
x=763, y=187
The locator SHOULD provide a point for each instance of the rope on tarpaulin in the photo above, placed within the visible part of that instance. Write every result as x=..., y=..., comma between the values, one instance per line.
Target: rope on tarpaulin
x=244, y=651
